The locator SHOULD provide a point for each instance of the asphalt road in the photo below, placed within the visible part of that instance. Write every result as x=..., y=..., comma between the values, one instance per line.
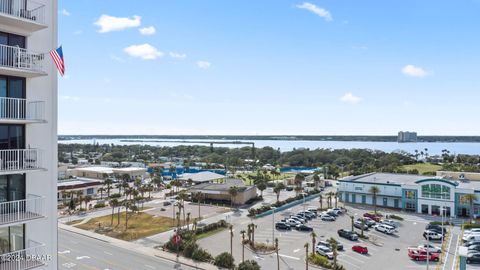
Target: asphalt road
x=81, y=252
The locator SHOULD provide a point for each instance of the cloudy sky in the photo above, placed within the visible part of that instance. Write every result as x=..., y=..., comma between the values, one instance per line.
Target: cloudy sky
x=270, y=67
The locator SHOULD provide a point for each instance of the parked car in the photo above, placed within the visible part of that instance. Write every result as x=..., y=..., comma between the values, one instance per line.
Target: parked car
x=473, y=230
x=324, y=251
x=432, y=235
x=436, y=228
x=326, y=217
x=431, y=248
x=471, y=237
x=473, y=257
x=359, y=225
x=421, y=255
x=329, y=245
x=389, y=222
x=292, y=222
x=370, y=222
x=301, y=220
x=337, y=211
x=348, y=234
x=282, y=226
x=166, y=203
x=312, y=209
x=304, y=216
x=303, y=228
x=289, y=188
x=385, y=228
x=474, y=247
x=332, y=212
x=469, y=243
x=310, y=214
x=360, y=248
x=373, y=216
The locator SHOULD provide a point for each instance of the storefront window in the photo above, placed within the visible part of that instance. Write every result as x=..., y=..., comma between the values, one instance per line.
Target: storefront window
x=436, y=191
x=410, y=194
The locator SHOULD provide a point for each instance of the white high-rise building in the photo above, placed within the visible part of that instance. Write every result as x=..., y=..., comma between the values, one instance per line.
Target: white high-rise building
x=28, y=135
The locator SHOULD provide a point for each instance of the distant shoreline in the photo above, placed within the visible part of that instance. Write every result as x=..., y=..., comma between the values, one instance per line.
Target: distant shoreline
x=360, y=138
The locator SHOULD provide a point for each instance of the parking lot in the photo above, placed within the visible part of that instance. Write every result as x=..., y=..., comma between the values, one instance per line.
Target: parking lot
x=387, y=251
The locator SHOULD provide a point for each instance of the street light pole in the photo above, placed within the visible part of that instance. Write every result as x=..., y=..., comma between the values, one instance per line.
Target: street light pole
x=273, y=225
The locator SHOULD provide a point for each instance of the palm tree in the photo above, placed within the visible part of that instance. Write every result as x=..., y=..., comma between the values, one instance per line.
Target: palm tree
x=336, y=198
x=277, y=189
x=314, y=240
x=352, y=220
x=374, y=190
x=233, y=191
x=127, y=204
x=194, y=225
x=316, y=180
x=363, y=225
x=87, y=199
x=306, y=258
x=299, y=178
x=329, y=199
x=183, y=196
x=470, y=198
x=188, y=221
x=180, y=207
x=108, y=185
x=231, y=240
x=334, y=244
x=261, y=185
x=278, y=257
x=113, y=203
x=320, y=199
x=197, y=197
x=242, y=232
x=252, y=230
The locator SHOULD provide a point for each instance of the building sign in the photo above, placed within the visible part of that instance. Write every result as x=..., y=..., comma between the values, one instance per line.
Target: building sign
x=436, y=191
x=410, y=194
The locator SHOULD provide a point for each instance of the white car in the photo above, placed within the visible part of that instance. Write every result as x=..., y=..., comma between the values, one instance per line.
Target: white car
x=301, y=220
x=338, y=211
x=474, y=230
x=327, y=217
x=385, y=228
x=292, y=223
x=389, y=222
x=324, y=251
x=431, y=248
x=432, y=235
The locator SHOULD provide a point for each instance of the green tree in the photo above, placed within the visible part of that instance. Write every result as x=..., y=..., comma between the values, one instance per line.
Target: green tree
x=314, y=241
x=233, y=191
x=277, y=189
x=242, y=232
x=261, y=185
x=225, y=260
x=249, y=265
x=334, y=244
x=306, y=253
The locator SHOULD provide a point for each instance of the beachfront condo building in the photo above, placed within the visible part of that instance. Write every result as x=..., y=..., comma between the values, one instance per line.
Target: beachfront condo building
x=28, y=134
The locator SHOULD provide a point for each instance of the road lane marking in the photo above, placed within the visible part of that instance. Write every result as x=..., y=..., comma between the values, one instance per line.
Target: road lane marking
x=296, y=250
x=82, y=257
x=455, y=256
x=355, y=259
x=289, y=257
x=64, y=252
x=108, y=253
x=69, y=265
x=347, y=262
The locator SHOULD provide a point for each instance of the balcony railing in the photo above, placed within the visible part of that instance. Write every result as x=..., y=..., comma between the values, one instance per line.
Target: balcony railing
x=29, y=258
x=19, y=58
x=20, y=160
x=22, y=210
x=24, y=9
x=21, y=109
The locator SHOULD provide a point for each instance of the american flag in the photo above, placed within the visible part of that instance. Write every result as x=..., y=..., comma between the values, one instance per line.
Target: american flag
x=57, y=56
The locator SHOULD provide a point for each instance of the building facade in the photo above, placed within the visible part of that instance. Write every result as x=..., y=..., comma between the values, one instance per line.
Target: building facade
x=414, y=193
x=28, y=134
x=407, y=136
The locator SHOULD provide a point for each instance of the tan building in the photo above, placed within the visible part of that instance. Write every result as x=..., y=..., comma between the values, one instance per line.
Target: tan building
x=220, y=192
x=98, y=172
x=472, y=176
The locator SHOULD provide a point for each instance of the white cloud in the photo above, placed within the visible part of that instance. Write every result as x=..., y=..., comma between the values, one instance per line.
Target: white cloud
x=413, y=71
x=147, y=31
x=65, y=12
x=143, y=51
x=350, y=98
x=317, y=10
x=109, y=23
x=203, y=64
x=178, y=55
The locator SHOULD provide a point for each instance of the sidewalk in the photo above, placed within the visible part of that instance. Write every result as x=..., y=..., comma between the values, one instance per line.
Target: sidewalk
x=132, y=246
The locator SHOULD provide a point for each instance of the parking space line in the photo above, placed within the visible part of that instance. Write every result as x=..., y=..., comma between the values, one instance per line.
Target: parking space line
x=355, y=259
x=289, y=257
x=347, y=262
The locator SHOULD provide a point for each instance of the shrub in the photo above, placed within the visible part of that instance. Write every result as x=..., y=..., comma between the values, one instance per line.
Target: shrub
x=115, y=196
x=99, y=205
x=249, y=265
x=440, y=223
x=470, y=226
x=201, y=255
x=319, y=260
x=189, y=248
x=396, y=217
x=225, y=260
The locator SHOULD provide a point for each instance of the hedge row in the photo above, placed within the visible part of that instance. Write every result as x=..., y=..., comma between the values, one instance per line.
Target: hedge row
x=265, y=208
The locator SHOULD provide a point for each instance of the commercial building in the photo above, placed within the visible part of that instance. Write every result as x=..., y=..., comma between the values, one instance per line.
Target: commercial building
x=28, y=134
x=87, y=187
x=98, y=172
x=201, y=177
x=220, y=192
x=407, y=136
x=415, y=193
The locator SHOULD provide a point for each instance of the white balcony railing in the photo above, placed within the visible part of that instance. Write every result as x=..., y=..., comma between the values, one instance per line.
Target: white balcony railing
x=22, y=210
x=24, y=9
x=20, y=160
x=19, y=58
x=21, y=109
x=33, y=256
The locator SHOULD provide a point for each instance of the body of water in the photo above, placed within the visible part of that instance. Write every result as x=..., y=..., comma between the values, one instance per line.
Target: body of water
x=287, y=145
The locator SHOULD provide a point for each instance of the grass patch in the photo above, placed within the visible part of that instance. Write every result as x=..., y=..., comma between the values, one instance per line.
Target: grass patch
x=139, y=226
x=73, y=222
x=209, y=233
x=396, y=217
x=422, y=167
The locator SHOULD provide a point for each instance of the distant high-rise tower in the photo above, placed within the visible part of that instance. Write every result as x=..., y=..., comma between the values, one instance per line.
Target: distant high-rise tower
x=28, y=135
x=407, y=136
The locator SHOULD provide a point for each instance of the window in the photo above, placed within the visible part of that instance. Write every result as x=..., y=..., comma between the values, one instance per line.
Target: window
x=12, y=238
x=12, y=40
x=358, y=188
x=410, y=194
x=12, y=137
x=424, y=208
x=410, y=206
x=436, y=191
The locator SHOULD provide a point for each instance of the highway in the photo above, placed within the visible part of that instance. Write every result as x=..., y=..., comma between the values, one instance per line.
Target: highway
x=81, y=252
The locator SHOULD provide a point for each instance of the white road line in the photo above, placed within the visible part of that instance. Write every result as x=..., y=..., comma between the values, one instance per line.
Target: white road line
x=108, y=253
x=149, y=266
x=379, y=236
x=296, y=250
x=355, y=259
x=445, y=253
x=289, y=257
x=455, y=255
x=64, y=252
x=347, y=262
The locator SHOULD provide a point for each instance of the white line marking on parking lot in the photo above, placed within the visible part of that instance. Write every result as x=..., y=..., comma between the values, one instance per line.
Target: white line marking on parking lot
x=347, y=262
x=82, y=257
x=64, y=252
x=108, y=253
x=289, y=257
x=296, y=250
x=355, y=259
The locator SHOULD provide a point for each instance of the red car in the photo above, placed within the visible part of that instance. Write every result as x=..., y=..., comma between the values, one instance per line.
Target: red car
x=373, y=216
x=360, y=249
x=421, y=255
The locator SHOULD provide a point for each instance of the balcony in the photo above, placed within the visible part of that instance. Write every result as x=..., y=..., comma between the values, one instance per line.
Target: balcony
x=28, y=16
x=21, y=211
x=33, y=256
x=16, y=61
x=21, y=111
x=20, y=161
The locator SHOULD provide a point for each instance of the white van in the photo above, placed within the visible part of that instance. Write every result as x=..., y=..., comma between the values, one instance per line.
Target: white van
x=385, y=228
x=471, y=237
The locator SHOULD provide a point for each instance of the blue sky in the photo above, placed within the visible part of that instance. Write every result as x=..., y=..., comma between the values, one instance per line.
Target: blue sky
x=331, y=67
